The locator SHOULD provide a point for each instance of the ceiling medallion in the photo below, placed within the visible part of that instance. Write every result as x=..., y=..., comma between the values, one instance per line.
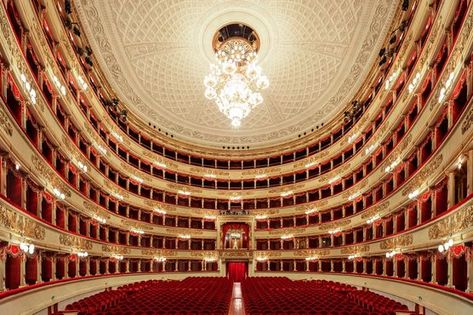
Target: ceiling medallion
x=235, y=81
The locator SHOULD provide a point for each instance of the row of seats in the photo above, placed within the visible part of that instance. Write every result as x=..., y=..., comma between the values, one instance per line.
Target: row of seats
x=207, y=295
x=276, y=295
x=200, y=295
x=375, y=302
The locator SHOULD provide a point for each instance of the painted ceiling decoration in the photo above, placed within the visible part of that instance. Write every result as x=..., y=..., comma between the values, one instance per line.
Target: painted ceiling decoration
x=316, y=53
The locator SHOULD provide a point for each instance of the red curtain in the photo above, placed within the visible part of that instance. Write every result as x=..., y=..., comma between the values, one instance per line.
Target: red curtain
x=236, y=271
x=30, y=270
x=12, y=268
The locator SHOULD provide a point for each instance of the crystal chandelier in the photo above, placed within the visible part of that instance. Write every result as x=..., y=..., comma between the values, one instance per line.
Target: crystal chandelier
x=235, y=81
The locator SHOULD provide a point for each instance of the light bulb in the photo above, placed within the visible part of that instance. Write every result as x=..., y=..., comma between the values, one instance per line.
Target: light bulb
x=229, y=67
x=236, y=123
x=262, y=82
x=441, y=248
x=210, y=93
x=210, y=81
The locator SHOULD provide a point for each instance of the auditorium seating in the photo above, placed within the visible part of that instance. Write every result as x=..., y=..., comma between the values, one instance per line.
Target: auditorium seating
x=278, y=295
x=199, y=295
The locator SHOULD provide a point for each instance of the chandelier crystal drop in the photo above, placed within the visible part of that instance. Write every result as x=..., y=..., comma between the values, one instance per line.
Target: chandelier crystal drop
x=235, y=81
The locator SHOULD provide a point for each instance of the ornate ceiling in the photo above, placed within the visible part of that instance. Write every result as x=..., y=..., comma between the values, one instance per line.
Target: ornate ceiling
x=155, y=55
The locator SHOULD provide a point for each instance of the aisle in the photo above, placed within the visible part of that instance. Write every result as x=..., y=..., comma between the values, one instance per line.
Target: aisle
x=236, y=305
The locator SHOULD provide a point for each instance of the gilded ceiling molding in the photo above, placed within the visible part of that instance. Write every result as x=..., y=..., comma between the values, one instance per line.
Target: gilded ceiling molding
x=17, y=58
x=154, y=204
x=339, y=170
x=209, y=173
x=466, y=124
x=236, y=254
x=375, y=210
x=355, y=249
x=116, y=249
x=423, y=175
x=355, y=130
x=380, y=14
x=7, y=31
x=92, y=133
x=49, y=176
x=158, y=159
x=287, y=231
x=190, y=189
x=74, y=152
x=286, y=188
x=5, y=122
x=138, y=225
x=204, y=254
x=311, y=252
x=191, y=232
x=265, y=212
x=267, y=254
x=432, y=37
x=75, y=242
x=314, y=159
x=21, y=225
x=334, y=224
x=136, y=172
x=261, y=172
x=398, y=150
x=396, y=242
x=117, y=192
x=355, y=189
x=158, y=252
x=95, y=209
x=457, y=222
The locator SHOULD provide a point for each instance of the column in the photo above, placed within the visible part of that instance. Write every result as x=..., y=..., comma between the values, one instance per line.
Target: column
x=395, y=224
x=469, y=172
x=106, y=267
x=53, y=268
x=364, y=265
x=38, y=268
x=65, y=261
x=22, y=270
x=331, y=265
x=469, y=270
x=343, y=265
x=419, y=268
x=77, y=263
x=2, y=273
x=87, y=266
x=451, y=189
x=127, y=266
x=384, y=266
x=406, y=267
x=433, y=262
x=306, y=265
x=449, y=269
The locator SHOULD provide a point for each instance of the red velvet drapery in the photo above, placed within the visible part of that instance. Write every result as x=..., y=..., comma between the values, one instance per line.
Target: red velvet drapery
x=236, y=271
